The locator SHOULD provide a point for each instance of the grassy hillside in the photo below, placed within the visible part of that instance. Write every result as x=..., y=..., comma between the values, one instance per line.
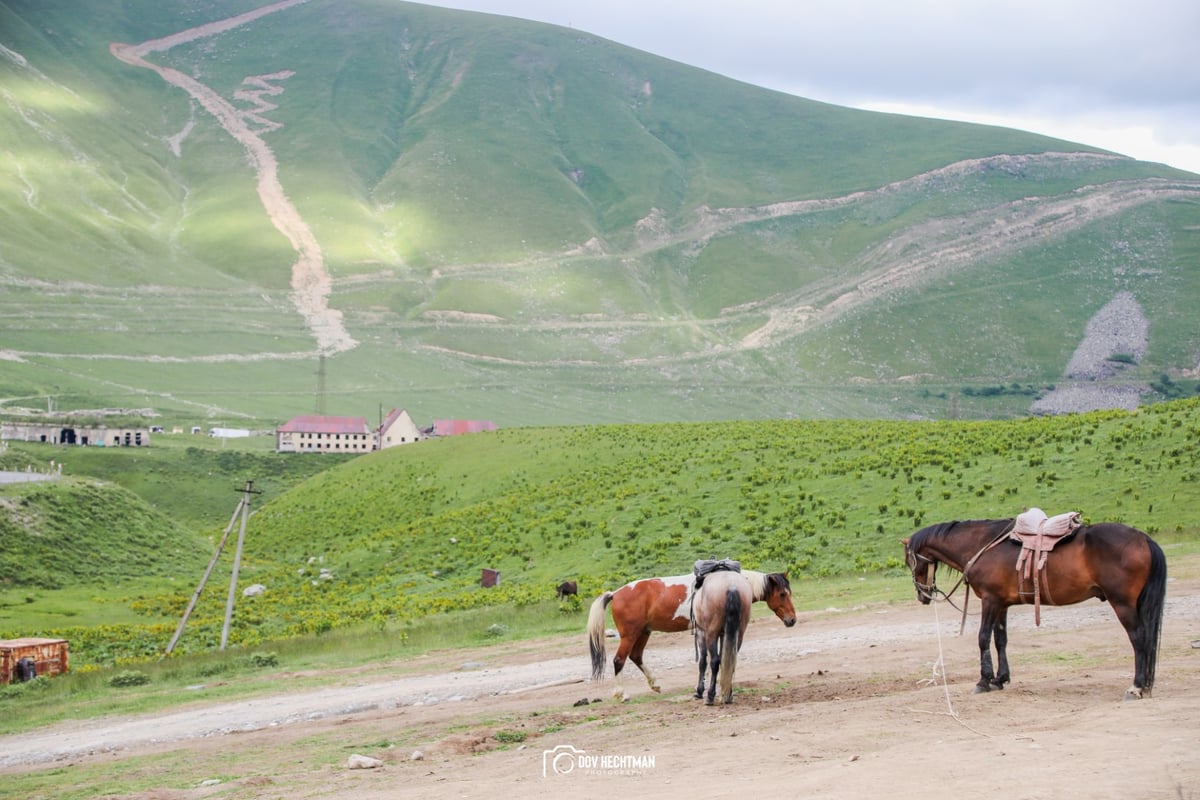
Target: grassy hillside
x=533, y=225
x=73, y=533
x=194, y=480
x=401, y=535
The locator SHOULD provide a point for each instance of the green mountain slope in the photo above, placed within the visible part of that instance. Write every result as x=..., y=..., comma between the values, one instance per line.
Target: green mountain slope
x=475, y=216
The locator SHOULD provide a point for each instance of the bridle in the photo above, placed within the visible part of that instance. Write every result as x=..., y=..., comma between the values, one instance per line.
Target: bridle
x=930, y=591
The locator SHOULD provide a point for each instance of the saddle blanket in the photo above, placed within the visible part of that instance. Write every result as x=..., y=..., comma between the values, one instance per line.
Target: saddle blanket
x=1038, y=534
x=1034, y=522
x=705, y=566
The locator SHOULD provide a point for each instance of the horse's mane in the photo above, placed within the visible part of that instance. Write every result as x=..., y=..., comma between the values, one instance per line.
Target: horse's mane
x=943, y=530
x=936, y=531
x=758, y=583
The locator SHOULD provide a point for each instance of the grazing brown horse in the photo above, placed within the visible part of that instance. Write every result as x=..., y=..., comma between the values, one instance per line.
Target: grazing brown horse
x=566, y=588
x=664, y=604
x=722, y=612
x=1108, y=561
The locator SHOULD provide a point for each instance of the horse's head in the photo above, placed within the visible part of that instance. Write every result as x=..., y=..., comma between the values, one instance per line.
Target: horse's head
x=924, y=571
x=778, y=596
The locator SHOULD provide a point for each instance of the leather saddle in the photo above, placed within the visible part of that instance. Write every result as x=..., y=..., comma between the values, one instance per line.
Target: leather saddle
x=1038, y=535
x=708, y=565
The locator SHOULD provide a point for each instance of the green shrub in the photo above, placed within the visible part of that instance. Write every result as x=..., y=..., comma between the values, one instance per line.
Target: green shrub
x=127, y=678
x=262, y=660
x=12, y=691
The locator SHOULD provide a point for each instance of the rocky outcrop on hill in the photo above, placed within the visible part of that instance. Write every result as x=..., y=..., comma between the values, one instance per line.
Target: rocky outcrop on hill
x=1115, y=337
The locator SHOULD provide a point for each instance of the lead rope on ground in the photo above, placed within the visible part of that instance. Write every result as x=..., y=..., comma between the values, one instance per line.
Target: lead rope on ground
x=940, y=664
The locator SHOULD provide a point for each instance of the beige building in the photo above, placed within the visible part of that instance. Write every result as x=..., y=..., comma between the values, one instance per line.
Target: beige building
x=326, y=434
x=314, y=433
x=398, y=428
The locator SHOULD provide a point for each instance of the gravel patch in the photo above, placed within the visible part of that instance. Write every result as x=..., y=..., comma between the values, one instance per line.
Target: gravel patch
x=1120, y=328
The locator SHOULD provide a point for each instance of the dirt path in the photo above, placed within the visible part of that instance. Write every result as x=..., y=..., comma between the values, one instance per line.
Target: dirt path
x=846, y=704
x=311, y=284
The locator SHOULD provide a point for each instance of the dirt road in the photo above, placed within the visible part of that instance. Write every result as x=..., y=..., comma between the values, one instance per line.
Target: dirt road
x=846, y=704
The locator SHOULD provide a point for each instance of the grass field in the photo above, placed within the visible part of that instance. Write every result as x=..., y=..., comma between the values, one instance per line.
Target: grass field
x=110, y=555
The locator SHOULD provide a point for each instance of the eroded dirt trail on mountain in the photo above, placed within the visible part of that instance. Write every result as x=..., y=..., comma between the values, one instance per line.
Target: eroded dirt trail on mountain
x=311, y=284
x=913, y=255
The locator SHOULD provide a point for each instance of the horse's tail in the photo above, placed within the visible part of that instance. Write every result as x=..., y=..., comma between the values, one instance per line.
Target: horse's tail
x=730, y=642
x=595, y=630
x=1150, y=606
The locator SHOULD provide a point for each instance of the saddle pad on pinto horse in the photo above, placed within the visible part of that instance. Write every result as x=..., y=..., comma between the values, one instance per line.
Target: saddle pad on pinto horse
x=705, y=566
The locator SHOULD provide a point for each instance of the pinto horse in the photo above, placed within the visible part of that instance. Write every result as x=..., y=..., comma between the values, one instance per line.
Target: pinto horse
x=722, y=612
x=664, y=604
x=1108, y=561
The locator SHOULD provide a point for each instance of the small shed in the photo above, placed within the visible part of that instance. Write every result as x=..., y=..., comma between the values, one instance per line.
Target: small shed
x=49, y=657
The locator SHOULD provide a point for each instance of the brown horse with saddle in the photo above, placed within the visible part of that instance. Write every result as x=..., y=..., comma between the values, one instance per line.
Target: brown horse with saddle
x=1108, y=561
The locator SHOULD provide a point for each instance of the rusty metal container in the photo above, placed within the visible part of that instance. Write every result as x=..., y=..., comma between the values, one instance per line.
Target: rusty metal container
x=49, y=657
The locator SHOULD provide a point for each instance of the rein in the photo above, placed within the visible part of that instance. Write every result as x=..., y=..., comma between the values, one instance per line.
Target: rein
x=931, y=590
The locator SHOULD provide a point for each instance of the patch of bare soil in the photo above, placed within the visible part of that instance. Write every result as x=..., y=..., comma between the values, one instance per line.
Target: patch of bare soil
x=849, y=703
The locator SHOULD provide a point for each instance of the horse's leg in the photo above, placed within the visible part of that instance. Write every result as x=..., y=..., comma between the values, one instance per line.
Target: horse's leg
x=627, y=644
x=635, y=655
x=987, y=622
x=1140, y=611
x=714, y=660
x=1000, y=634
x=702, y=654
x=1128, y=616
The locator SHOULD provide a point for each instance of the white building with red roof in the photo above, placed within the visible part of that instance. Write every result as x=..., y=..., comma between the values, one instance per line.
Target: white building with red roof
x=318, y=433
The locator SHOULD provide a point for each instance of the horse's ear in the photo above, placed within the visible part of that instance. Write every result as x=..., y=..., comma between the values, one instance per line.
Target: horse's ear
x=904, y=542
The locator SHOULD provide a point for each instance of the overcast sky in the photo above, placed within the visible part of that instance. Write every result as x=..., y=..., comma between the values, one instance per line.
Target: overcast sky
x=1119, y=75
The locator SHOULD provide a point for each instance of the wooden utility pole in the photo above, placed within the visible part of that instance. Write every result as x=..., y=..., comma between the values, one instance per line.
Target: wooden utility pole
x=243, y=507
x=196, y=595
x=237, y=561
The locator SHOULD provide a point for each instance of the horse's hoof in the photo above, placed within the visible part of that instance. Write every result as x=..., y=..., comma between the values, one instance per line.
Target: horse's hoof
x=654, y=687
x=982, y=688
x=709, y=702
x=1134, y=693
